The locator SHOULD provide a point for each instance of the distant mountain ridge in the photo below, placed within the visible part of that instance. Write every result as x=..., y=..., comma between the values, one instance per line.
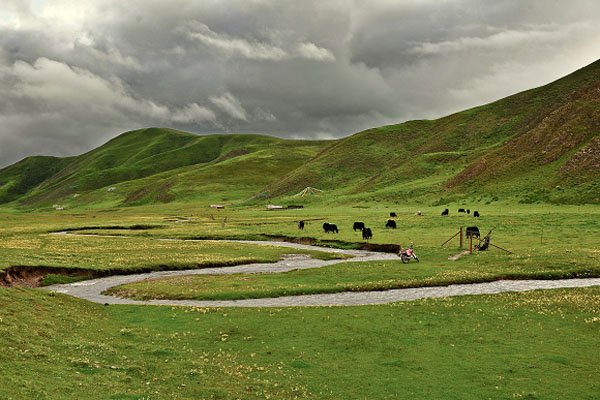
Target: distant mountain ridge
x=541, y=145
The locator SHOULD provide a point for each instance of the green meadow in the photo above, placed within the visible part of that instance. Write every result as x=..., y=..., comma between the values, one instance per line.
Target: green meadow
x=547, y=242
x=525, y=345
x=540, y=345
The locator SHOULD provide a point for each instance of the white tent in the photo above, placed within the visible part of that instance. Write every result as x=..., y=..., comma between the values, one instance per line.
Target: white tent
x=309, y=191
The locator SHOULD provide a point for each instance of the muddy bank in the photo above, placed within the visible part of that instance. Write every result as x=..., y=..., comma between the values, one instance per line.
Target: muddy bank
x=332, y=243
x=382, y=248
x=33, y=276
x=138, y=227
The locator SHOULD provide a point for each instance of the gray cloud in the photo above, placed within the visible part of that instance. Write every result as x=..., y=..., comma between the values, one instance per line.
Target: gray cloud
x=230, y=105
x=75, y=74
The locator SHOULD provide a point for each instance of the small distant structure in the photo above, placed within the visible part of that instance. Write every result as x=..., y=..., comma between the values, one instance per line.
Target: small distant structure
x=309, y=191
x=217, y=206
x=274, y=207
x=76, y=195
x=59, y=208
x=110, y=189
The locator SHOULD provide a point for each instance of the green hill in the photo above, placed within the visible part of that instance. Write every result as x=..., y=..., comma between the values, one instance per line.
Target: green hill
x=538, y=145
x=541, y=145
x=155, y=164
x=18, y=179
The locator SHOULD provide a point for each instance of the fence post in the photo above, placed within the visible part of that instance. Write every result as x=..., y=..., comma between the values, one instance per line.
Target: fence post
x=471, y=244
x=461, y=238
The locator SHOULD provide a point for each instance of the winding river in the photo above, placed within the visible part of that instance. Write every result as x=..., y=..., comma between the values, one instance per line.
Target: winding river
x=92, y=289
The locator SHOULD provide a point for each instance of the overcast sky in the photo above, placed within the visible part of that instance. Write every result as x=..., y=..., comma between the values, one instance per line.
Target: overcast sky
x=75, y=73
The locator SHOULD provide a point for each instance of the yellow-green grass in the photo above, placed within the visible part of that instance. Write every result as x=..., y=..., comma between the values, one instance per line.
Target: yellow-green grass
x=540, y=344
x=102, y=253
x=25, y=241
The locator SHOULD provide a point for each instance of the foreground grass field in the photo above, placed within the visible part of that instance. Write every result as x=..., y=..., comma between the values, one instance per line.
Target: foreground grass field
x=533, y=345
x=541, y=344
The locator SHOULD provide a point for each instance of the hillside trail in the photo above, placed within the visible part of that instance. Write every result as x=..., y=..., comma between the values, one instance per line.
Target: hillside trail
x=91, y=290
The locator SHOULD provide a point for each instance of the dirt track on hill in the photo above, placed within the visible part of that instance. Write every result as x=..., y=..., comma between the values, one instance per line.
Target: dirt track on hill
x=92, y=289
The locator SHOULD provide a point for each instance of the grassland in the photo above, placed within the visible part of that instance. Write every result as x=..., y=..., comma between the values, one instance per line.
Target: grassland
x=546, y=241
x=537, y=344
x=136, y=254
x=526, y=345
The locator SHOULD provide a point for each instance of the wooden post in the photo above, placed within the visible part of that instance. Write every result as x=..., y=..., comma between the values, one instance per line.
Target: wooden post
x=461, y=238
x=471, y=244
x=453, y=236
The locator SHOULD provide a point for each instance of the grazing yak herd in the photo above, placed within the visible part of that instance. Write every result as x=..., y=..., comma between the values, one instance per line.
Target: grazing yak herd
x=461, y=210
x=368, y=234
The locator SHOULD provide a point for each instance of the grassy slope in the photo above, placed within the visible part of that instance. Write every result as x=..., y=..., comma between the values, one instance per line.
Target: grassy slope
x=514, y=345
x=155, y=165
x=515, y=144
x=18, y=179
x=539, y=145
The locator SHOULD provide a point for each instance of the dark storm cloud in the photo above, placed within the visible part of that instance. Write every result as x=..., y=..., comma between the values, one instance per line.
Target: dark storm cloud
x=75, y=74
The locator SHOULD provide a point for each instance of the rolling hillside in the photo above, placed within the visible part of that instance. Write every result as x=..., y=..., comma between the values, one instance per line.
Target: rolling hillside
x=155, y=165
x=539, y=145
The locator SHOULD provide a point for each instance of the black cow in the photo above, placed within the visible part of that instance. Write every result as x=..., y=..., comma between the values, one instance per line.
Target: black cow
x=330, y=228
x=461, y=210
x=468, y=211
x=300, y=225
x=472, y=231
x=367, y=234
x=358, y=226
x=393, y=214
x=476, y=214
x=445, y=212
x=391, y=224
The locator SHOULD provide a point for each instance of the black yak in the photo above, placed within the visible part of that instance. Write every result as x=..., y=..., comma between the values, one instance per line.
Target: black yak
x=391, y=224
x=367, y=234
x=445, y=212
x=300, y=224
x=472, y=231
x=327, y=227
x=358, y=226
